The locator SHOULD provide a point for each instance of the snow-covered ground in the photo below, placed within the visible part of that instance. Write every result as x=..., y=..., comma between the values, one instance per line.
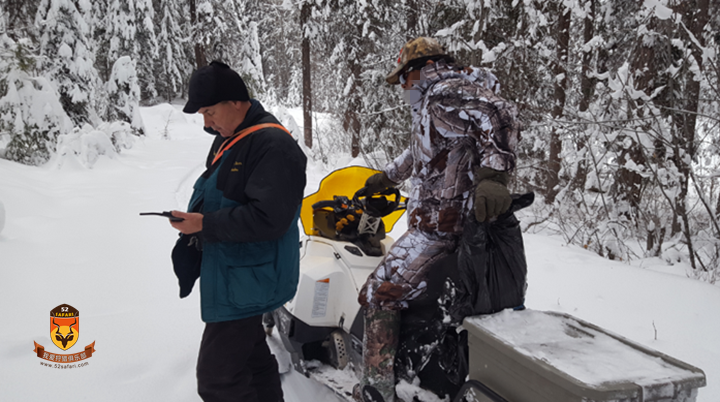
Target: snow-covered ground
x=73, y=235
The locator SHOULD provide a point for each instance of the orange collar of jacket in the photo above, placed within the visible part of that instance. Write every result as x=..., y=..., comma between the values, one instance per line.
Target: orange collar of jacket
x=242, y=134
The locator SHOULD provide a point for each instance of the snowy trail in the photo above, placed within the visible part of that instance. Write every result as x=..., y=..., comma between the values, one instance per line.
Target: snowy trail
x=79, y=240
x=73, y=235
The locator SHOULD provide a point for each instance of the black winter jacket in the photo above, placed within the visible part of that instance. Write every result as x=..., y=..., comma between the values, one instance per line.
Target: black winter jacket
x=265, y=172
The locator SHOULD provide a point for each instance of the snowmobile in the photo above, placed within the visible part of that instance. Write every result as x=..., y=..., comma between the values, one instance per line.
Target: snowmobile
x=345, y=241
x=322, y=327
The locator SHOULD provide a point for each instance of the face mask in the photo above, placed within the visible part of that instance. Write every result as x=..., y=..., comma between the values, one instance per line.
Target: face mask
x=412, y=95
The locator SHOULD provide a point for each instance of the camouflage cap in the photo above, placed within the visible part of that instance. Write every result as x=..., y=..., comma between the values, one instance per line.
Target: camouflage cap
x=415, y=49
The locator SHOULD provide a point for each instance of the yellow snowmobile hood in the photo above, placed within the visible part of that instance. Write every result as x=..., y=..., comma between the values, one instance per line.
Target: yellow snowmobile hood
x=342, y=182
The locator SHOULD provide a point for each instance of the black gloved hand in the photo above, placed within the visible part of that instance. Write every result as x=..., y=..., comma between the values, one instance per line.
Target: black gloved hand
x=492, y=197
x=378, y=182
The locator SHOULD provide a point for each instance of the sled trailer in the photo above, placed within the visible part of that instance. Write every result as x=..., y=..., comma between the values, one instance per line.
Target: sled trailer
x=536, y=356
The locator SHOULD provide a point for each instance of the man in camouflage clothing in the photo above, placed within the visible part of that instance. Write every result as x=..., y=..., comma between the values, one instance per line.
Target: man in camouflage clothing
x=462, y=148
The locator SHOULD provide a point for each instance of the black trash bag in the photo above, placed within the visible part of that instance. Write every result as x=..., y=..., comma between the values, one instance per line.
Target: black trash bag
x=487, y=271
x=491, y=263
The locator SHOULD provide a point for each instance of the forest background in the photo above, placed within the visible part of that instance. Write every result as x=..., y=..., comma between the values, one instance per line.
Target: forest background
x=619, y=99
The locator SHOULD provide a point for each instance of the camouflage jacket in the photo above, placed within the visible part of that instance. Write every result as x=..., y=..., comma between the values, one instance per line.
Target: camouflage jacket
x=460, y=124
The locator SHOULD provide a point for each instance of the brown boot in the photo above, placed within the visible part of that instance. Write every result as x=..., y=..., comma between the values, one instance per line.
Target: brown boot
x=382, y=328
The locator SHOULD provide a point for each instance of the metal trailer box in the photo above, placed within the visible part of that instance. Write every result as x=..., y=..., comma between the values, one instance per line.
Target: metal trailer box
x=535, y=356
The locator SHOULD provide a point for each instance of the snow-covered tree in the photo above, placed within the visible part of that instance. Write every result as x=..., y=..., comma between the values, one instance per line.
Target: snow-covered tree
x=251, y=68
x=618, y=97
x=208, y=29
x=279, y=33
x=3, y=17
x=235, y=39
x=147, y=51
x=17, y=18
x=94, y=14
x=31, y=116
x=66, y=58
x=100, y=45
x=126, y=28
x=174, y=63
x=363, y=47
x=120, y=32
x=124, y=95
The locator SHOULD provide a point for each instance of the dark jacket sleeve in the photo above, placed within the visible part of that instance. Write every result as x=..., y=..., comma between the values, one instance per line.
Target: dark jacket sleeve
x=269, y=192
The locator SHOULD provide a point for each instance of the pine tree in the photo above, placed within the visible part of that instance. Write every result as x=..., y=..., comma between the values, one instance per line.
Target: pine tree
x=147, y=51
x=209, y=28
x=120, y=31
x=31, y=116
x=98, y=34
x=3, y=17
x=278, y=31
x=252, y=69
x=174, y=63
x=124, y=95
x=94, y=15
x=196, y=35
x=17, y=16
x=360, y=46
x=236, y=41
x=66, y=58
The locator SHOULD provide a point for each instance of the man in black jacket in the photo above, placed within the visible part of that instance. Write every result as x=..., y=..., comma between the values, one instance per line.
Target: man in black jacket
x=244, y=211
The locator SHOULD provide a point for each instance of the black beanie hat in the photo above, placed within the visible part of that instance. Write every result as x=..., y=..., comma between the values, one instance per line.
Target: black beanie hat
x=213, y=84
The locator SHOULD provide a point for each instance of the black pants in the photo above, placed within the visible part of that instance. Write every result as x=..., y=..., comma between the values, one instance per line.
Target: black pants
x=235, y=363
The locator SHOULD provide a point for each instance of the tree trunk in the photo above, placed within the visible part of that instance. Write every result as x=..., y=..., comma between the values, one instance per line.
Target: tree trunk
x=351, y=121
x=306, y=77
x=200, y=60
x=586, y=89
x=476, y=55
x=647, y=69
x=586, y=83
x=628, y=183
x=351, y=118
x=695, y=17
x=412, y=20
x=560, y=71
x=682, y=212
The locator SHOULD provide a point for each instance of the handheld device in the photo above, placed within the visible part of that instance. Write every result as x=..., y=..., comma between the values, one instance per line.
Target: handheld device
x=165, y=214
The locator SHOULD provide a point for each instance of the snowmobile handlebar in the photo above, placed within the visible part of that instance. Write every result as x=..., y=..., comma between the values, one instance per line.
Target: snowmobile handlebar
x=378, y=206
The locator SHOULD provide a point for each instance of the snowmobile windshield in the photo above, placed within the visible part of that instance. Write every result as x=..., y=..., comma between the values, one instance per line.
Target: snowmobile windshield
x=342, y=182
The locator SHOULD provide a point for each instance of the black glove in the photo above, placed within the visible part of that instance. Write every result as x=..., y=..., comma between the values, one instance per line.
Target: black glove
x=378, y=182
x=492, y=197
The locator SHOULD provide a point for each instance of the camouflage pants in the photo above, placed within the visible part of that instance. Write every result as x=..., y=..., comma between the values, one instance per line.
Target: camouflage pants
x=380, y=341
x=401, y=277
x=402, y=274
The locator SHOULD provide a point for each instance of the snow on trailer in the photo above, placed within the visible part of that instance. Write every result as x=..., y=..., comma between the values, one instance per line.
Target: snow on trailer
x=536, y=356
